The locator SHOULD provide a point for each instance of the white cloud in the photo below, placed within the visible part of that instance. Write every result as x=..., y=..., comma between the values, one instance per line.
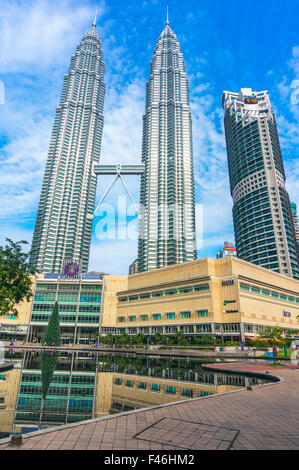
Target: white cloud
x=288, y=126
x=42, y=48
x=211, y=174
x=23, y=166
x=15, y=233
x=123, y=124
x=113, y=256
x=34, y=35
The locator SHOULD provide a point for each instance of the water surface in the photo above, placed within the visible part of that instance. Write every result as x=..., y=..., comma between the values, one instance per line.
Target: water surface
x=46, y=389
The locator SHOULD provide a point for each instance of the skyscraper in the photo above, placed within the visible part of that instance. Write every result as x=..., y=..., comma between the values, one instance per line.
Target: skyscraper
x=167, y=209
x=65, y=215
x=264, y=230
x=295, y=223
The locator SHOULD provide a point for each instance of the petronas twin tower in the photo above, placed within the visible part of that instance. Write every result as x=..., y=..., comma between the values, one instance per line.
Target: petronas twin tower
x=167, y=209
x=65, y=215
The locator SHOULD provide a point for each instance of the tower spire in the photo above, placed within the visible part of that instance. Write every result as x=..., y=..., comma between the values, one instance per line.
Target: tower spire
x=167, y=19
x=94, y=24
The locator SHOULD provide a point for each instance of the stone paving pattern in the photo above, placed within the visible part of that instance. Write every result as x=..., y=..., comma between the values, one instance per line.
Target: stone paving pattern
x=187, y=434
x=265, y=418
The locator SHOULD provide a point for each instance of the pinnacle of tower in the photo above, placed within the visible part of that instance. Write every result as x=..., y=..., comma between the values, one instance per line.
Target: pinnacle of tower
x=167, y=31
x=94, y=24
x=93, y=30
x=167, y=19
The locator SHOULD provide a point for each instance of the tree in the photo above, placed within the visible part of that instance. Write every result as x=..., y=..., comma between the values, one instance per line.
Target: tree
x=15, y=280
x=158, y=338
x=52, y=334
x=108, y=339
x=48, y=365
x=123, y=339
x=180, y=338
x=274, y=334
x=205, y=340
x=139, y=339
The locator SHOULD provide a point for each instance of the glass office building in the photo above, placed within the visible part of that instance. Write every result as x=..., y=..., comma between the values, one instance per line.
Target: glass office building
x=65, y=215
x=79, y=306
x=264, y=230
x=295, y=222
x=167, y=213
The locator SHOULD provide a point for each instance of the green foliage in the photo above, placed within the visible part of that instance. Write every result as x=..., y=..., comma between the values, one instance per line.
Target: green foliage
x=158, y=338
x=95, y=335
x=15, y=282
x=273, y=334
x=179, y=338
x=257, y=343
x=52, y=334
x=205, y=340
x=48, y=365
x=139, y=339
x=123, y=339
x=108, y=339
x=232, y=343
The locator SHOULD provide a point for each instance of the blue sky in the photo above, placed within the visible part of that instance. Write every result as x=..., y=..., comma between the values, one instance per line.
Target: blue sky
x=227, y=44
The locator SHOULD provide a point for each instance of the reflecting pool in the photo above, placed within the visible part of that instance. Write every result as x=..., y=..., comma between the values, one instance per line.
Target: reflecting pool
x=46, y=389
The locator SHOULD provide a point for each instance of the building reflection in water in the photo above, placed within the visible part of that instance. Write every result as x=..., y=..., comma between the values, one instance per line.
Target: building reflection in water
x=45, y=390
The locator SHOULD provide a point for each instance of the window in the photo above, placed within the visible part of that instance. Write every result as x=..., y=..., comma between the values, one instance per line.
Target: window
x=275, y=295
x=202, y=313
x=132, y=318
x=156, y=388
x=129, y=383
x=171, y=292
x=144, y=296
x=204, y=393
x=186, y=314
x=255, y=290
x=157, y=316
x=187, y=392
x=265, y=292
x=244, y=287
x=118, y=381
x=133, y=297
x=143, y=317
x=10, y=316
x=202, y=287
x=121, y=319
x=157, y=294
x=142, y=385
x=186, y=290
x=170, y=390
x=170, y=316
x=89, y=298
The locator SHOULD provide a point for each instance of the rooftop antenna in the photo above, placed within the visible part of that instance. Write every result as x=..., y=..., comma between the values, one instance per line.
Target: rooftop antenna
x=167, y=20
x=94, y=24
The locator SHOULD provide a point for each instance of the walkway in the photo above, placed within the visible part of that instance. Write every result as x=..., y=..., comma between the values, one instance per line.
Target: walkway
x=265, y=418
x=157, y=351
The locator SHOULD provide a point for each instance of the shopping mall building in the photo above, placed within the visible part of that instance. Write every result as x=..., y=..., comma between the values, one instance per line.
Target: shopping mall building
x=228, y=298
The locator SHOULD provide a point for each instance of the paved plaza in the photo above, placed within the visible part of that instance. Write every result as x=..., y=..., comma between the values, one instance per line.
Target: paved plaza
x=264, y=418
